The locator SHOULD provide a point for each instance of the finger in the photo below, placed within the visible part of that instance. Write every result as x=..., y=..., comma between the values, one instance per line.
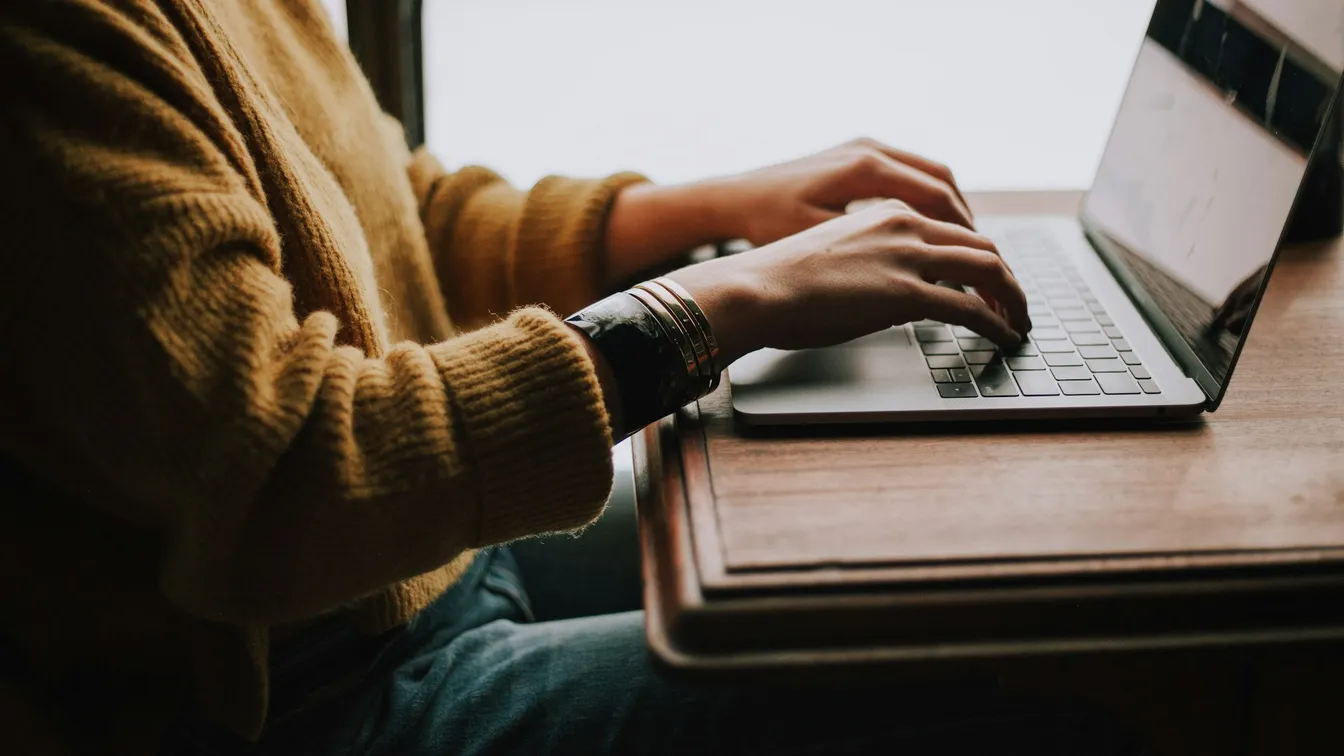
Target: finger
x=950, y=234
x=940, y=234
x=887, y=203
x=931, y=167
x=959, y=308
x=986, y=272
x=944, y=234
x=882, y=176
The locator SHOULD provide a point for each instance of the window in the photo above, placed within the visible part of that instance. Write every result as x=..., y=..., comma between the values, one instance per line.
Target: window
x=1012, y=94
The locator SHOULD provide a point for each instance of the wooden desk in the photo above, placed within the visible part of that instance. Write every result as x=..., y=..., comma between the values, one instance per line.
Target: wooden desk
x=853, y=547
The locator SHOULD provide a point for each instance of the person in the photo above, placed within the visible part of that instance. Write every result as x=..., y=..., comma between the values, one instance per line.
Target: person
x=279, y=391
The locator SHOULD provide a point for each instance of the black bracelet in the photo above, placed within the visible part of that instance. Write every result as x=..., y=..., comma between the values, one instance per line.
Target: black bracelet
x=646, y=361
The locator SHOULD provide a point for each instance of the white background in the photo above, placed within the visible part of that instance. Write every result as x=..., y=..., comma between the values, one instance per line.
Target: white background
x=1010, y=93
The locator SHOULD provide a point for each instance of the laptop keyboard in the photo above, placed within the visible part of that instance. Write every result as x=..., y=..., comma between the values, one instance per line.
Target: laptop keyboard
x=1074, y=348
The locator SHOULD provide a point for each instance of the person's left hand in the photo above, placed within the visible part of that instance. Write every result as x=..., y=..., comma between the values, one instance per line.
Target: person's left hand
x=771, y=203
x=651, y=224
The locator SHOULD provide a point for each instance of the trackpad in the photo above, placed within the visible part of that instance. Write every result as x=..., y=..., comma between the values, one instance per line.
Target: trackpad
x=885, y=359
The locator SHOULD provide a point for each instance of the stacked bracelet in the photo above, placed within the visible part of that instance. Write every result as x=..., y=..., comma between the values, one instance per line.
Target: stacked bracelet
x=659, y=345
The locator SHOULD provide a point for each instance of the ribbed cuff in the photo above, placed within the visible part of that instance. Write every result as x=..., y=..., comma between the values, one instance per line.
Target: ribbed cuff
x=559, y=250
x=532, y=412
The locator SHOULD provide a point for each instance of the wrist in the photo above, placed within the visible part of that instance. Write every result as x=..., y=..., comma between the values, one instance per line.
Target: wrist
x=733, y=302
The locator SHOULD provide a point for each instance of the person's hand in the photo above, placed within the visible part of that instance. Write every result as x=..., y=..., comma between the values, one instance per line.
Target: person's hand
x=855, y=275
x=649, y=225
x=769, y=204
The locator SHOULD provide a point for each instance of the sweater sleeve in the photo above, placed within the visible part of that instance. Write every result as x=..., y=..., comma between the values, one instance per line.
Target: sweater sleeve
x=497, y=247
x=153, y=347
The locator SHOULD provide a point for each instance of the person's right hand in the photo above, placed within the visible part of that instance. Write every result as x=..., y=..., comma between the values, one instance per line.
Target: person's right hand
x=855, y=275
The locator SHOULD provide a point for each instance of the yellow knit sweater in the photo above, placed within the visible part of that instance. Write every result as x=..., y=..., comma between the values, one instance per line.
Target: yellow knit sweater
x=233, y=397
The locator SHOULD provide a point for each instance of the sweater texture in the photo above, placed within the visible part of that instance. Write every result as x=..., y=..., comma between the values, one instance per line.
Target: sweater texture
x=261, y=362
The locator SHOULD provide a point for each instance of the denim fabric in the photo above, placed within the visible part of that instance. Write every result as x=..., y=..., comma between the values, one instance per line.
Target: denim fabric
x=475, y=674
x=472, y=675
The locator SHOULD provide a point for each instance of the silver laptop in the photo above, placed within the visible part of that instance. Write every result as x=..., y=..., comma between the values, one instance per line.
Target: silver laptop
x=1140, y=304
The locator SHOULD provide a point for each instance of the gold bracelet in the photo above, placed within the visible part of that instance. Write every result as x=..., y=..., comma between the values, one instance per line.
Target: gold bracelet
x=689, y=328
x=701, y=320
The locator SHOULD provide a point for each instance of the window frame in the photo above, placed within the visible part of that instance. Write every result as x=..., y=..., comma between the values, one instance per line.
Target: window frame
x=386, y=38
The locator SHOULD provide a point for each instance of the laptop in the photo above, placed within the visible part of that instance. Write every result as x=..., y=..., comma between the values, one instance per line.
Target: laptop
x=1141, y=303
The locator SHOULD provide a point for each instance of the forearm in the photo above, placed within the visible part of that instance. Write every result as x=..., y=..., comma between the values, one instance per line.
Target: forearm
x=650, y=226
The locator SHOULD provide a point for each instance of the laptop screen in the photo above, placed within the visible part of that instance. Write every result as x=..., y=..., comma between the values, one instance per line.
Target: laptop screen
x=1210, y=145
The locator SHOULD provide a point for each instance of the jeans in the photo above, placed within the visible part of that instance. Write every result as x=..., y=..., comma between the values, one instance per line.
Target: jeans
x=540, y=650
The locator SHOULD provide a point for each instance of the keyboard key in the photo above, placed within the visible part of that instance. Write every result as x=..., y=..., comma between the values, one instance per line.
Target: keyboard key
x=960, y=375
x=1140, y=371
x=1072, y=373
x=1107, y=366
x=1043, y=321
x=1121, y=345
x=1130, y=358
x=1039, y=310
x=976, y=370
x=1117, y=383
x=1081, y=326
x=1149, y=386
x=1096, y=307
x=995, y=380
x=1025, y=349
x=957, y=390
x=1048, y=334
x=1097, y=352
x=1063, y=360
x=939, y=347
x=945, y=362
x=976, y=344
x=1090, y=339
x=1025, y=363
x=1080, y=388
x=1073, y=314
x=963, y=332
x=941, y=376
x=1066, y=303
x=1036, y=384
x=1105, y=320
x=1056, y=347
x=1113, y=332
x=979, y=357
x=933, y=334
